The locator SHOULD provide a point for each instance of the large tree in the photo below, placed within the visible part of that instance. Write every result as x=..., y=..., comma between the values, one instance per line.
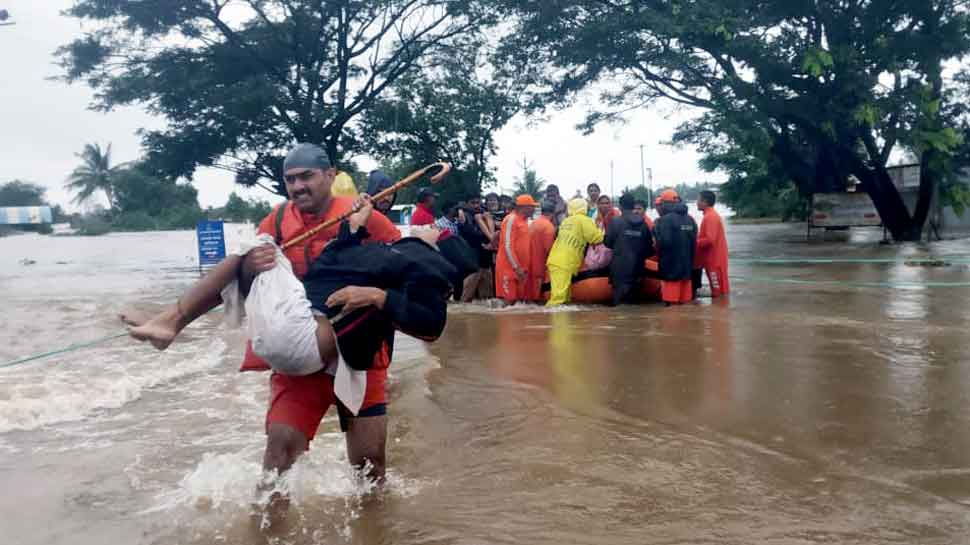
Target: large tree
x=240, y=81
x=449, y=112
x=834, y=85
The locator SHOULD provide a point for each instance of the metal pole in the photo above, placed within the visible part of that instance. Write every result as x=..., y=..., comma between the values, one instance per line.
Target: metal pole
x=650, y=186
x=612, y=189
x=643, y=171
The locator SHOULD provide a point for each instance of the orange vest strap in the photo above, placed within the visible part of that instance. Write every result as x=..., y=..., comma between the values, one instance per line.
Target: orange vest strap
x=280, y=211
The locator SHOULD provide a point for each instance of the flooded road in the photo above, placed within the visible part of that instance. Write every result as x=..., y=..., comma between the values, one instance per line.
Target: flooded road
x=826, y=402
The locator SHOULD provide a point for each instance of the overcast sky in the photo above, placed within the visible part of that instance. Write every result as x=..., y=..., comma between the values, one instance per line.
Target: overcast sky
x=44, y=123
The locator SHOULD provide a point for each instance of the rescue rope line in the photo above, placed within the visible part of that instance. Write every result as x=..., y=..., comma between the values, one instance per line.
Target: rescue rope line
x=73, y=347
x=70, y=348
x=86, y=344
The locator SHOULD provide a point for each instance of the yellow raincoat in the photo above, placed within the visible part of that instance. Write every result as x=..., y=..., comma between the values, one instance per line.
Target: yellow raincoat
x=575, y=233
x=343, y=186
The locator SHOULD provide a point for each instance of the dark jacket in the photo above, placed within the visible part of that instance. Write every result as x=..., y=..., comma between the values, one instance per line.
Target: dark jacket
x=676, y=234
x=632, y=243
x=469, y=230
x=414, y=275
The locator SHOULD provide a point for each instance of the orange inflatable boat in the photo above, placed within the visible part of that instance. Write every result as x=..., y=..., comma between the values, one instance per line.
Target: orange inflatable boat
x=594, y=288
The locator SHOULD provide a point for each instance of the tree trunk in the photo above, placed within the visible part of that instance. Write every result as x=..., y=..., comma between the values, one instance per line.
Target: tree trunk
x=331, y=144
x=931, y=160
x=928, y=178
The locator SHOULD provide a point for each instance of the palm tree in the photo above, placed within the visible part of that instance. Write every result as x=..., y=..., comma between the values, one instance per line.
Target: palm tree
x=94, y=173
x=529, y=183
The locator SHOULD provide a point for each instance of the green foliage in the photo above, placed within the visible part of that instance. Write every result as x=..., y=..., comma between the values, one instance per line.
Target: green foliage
x=829, y=87
x=92, y=225
x=692, y=192
x=239, y=86
x=137, y=220
x=529, y=183
x=956, y=195
x=640, y=193
x=817, y=62
x=763, y=199
x=145, y=202
x=448, y=112
x=686, y=192
x=242, y=210
x=20, y=193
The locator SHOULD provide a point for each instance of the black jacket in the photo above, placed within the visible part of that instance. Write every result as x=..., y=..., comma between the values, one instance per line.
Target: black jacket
x=632, y=242
x=469, y=230
x=414, y=275
x=676, y=234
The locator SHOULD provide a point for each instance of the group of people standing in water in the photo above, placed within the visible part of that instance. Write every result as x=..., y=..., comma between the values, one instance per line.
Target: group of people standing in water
x=344, y=281
x=501, y=247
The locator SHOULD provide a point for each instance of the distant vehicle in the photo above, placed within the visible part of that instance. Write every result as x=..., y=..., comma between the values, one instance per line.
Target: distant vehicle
x=400, y=214
x=62, y=229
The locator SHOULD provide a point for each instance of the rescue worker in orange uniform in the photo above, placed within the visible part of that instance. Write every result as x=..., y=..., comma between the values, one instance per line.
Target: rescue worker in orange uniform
x=542, y=235
x=512, y=261
x=298, y=403
x=676, y=235
x=712, y=249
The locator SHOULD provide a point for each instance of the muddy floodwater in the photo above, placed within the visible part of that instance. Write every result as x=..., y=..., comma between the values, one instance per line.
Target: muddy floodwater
x=828, y=401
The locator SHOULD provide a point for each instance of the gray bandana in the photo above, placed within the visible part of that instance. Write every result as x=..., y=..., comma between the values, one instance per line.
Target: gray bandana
x=306, y=156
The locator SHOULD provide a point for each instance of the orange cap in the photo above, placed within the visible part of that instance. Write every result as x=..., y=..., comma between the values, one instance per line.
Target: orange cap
x=669, y=195
x=525, y=200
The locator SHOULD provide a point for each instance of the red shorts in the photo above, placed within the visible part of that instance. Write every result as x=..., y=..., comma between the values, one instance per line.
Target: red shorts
x=677, y=291
x=301, y=402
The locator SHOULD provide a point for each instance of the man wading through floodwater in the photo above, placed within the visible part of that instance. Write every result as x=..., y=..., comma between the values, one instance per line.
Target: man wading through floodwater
x=298, y=403
x=359, y=294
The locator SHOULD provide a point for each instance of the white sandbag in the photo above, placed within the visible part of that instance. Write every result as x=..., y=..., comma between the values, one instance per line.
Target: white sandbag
x=281, y=324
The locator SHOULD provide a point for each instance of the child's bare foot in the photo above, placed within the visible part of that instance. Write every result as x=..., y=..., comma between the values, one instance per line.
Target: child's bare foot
x=156, y=331
x=135, y=317
x=160, y=328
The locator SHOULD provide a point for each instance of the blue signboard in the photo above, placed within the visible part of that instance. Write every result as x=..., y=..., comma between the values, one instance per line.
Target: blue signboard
x=212, y=243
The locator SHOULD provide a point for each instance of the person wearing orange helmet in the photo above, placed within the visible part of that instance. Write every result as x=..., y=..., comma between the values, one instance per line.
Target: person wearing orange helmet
x=676, y=235
x=512, y=261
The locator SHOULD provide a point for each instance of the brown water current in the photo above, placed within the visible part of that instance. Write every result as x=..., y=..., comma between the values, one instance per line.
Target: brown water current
x=821, y=403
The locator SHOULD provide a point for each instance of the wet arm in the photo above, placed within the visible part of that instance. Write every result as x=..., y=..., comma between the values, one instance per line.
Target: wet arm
x=611, y=234
x=592, y=233
x=704, y=240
